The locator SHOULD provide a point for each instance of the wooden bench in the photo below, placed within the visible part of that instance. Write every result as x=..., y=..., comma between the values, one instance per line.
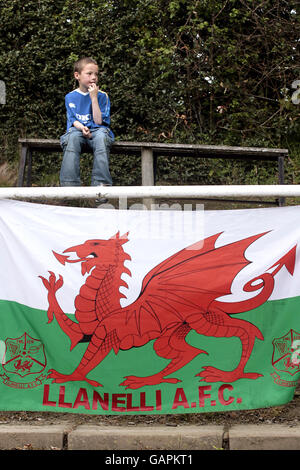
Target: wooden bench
x=149, y=152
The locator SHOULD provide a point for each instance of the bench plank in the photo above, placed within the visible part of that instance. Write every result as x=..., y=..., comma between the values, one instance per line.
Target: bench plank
x=150, y=150
x=178, y=149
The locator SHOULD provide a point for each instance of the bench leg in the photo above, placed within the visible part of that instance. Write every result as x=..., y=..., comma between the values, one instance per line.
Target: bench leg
x=29, y=167
x=22, y=165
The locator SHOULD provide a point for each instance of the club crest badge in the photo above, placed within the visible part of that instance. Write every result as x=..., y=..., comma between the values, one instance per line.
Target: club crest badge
x=286, y=358
x=23, y=362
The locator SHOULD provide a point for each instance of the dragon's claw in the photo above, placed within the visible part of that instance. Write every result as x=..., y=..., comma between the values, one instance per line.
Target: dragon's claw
x=62, y=378
x=55, y=284
x=134, y=382
x=51, y=284
x=212, y=374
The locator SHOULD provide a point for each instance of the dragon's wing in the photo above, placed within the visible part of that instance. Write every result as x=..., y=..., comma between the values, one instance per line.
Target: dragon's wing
x=187, y=282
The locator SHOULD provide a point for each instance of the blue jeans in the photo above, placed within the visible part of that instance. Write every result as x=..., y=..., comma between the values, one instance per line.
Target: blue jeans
x=73, y=144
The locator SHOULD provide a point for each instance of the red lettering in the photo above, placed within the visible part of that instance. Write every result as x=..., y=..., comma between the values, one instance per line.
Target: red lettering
x=180, y=399
x=203, y=396
x=143, y=406
x=129, y=404
x=221, y=394
x=46, y=401
x=82, y=399
x=158, y=399
x=61, y=399
x=117, y=400
x=103, y=401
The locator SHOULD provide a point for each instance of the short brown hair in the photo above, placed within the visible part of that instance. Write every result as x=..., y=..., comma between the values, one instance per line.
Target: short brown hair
x=81, y=63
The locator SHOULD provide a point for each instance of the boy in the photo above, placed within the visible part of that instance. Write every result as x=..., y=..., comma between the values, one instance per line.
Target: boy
x=88, y=120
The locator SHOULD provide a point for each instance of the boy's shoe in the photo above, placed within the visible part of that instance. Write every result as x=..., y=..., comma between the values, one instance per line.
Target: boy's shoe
x=102, y=200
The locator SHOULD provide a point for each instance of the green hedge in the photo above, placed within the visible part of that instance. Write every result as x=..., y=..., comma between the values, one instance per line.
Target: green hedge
x=176, y=71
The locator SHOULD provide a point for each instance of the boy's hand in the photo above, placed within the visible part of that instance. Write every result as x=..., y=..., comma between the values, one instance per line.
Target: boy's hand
x=86, y=132
x=93, y=90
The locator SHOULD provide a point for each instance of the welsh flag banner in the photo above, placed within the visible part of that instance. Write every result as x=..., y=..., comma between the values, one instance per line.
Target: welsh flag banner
x=148, y=312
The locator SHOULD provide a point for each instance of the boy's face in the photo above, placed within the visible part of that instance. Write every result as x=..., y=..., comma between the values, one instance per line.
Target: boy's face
x=87, y=76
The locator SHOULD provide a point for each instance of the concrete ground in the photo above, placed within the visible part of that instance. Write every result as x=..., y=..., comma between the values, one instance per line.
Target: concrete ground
x=65, y=436
x=158, y=438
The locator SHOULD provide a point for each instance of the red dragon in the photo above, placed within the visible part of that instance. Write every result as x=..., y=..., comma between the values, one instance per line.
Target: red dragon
x=178, y=295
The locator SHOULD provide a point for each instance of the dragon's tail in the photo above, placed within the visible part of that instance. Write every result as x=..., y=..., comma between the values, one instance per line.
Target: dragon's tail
x=266, y=284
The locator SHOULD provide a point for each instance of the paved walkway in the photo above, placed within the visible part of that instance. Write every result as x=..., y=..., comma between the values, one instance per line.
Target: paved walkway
x=183, y=438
